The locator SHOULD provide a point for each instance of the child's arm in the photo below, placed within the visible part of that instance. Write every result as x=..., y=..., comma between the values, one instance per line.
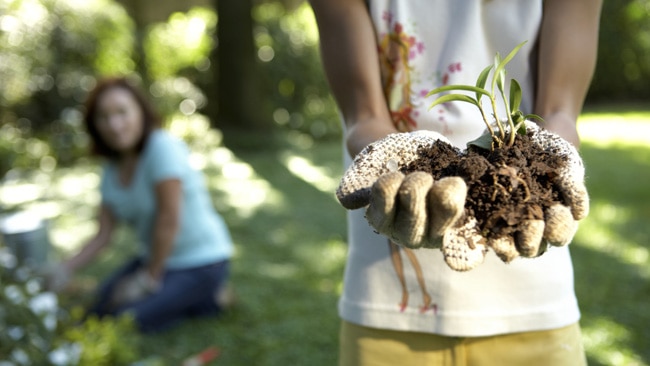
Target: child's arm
x=568, y=42
x=349, y=54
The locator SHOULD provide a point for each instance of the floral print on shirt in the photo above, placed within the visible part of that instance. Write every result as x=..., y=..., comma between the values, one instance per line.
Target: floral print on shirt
x=396, y=49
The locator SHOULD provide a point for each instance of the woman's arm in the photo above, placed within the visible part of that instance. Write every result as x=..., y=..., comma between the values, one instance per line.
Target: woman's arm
x=349, y=54
x=166, y=225
x=568, y=42
x=96, y=244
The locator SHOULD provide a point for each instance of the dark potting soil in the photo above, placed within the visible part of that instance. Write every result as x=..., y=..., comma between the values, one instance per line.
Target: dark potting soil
x=505, y=186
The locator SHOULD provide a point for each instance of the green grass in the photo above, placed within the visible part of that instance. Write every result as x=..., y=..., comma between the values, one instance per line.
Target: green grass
x=278, y=201
x=611, y=249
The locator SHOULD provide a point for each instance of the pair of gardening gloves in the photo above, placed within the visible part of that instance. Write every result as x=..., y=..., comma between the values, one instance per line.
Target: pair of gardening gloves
x=417, y=212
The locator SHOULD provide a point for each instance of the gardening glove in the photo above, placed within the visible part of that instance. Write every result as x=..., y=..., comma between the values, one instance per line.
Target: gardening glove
x=412, y=210
x=561, y=220
x=56, y=276
x=134, y=287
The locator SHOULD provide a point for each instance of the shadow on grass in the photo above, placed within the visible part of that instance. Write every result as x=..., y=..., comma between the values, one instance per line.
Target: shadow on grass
x=611, y=261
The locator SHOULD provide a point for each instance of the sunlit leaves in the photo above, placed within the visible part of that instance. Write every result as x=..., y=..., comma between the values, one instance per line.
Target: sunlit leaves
x=42, y=42
x=182, y=42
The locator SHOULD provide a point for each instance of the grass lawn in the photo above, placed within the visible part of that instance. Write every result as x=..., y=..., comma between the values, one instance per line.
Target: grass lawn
x=290, y=236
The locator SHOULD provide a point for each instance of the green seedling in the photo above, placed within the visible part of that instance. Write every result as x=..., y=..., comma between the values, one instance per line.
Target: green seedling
x=515, y=117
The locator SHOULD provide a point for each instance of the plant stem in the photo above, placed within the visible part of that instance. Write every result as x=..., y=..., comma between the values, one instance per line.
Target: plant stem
x=511, y=123
x=495, y=138
x=496, y=117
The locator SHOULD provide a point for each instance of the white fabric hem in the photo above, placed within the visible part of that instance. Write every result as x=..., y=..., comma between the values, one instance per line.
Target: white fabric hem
x=562, y=315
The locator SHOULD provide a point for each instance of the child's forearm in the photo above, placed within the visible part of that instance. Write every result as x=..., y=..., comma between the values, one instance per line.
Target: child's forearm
x=351, y=63
x=568, y=43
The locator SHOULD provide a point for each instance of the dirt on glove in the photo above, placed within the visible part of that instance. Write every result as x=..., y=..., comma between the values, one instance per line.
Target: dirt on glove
x=506, y=186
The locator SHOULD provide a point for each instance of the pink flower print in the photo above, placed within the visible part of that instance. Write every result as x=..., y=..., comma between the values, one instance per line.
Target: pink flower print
x=410, y=41
x=423, y=93
x=398, y=28
x=420, y=47
x=388, y=17
x=454, y=67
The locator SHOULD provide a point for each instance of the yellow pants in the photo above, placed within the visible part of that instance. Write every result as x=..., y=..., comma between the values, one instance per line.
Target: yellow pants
x=363, y=346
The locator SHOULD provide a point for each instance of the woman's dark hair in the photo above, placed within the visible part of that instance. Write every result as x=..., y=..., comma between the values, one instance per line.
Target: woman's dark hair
x=150, y=118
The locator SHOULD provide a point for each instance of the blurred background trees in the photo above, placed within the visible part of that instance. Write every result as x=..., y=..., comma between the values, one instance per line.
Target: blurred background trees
x=239, y=64
x=257, y=69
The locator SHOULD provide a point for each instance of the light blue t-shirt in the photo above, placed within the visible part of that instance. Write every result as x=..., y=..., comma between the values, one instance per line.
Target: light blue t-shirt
x=202, y=238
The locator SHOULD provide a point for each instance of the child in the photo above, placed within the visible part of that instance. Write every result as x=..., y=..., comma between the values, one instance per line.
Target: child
x=381, y=58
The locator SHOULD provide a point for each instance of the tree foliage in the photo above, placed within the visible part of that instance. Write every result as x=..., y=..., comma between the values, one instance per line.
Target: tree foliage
x=53, y=51
x=623, y=69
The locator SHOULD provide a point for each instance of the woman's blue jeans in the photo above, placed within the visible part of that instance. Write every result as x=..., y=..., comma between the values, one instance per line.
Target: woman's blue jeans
x=184, y=293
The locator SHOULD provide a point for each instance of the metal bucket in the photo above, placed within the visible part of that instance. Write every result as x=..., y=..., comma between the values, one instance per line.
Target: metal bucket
x=25, y=234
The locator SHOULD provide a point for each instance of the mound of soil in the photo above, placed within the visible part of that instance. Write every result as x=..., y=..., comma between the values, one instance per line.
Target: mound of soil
x=505, y=186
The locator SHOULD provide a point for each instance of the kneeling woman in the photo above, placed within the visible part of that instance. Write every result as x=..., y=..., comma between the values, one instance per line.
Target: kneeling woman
x=147, y=183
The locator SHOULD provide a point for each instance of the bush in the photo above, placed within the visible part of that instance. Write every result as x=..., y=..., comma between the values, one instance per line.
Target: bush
x=623, y=70
x=37, y=331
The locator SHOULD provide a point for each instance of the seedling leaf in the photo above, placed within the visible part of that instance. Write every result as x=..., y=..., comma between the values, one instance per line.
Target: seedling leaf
x=501, y=64
x=515, y=95
x=533, y=116
x=484, y=141
x=475, y=89
x=482, y=79
x=454, y=98
x=501, y=79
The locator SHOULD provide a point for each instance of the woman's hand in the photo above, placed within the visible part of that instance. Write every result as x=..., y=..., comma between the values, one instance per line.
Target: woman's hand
x=57, y=276
x=134, y=287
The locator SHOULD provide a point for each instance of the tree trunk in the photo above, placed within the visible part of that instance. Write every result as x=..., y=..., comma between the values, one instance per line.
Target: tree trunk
x=238, y=83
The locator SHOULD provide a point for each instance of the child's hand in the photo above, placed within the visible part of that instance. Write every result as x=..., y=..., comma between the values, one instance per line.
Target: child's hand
x=560, y=221
x=412, y=210
x=570, y=182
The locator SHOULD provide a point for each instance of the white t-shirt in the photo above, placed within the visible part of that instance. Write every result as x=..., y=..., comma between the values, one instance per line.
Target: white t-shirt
x=424, y=44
